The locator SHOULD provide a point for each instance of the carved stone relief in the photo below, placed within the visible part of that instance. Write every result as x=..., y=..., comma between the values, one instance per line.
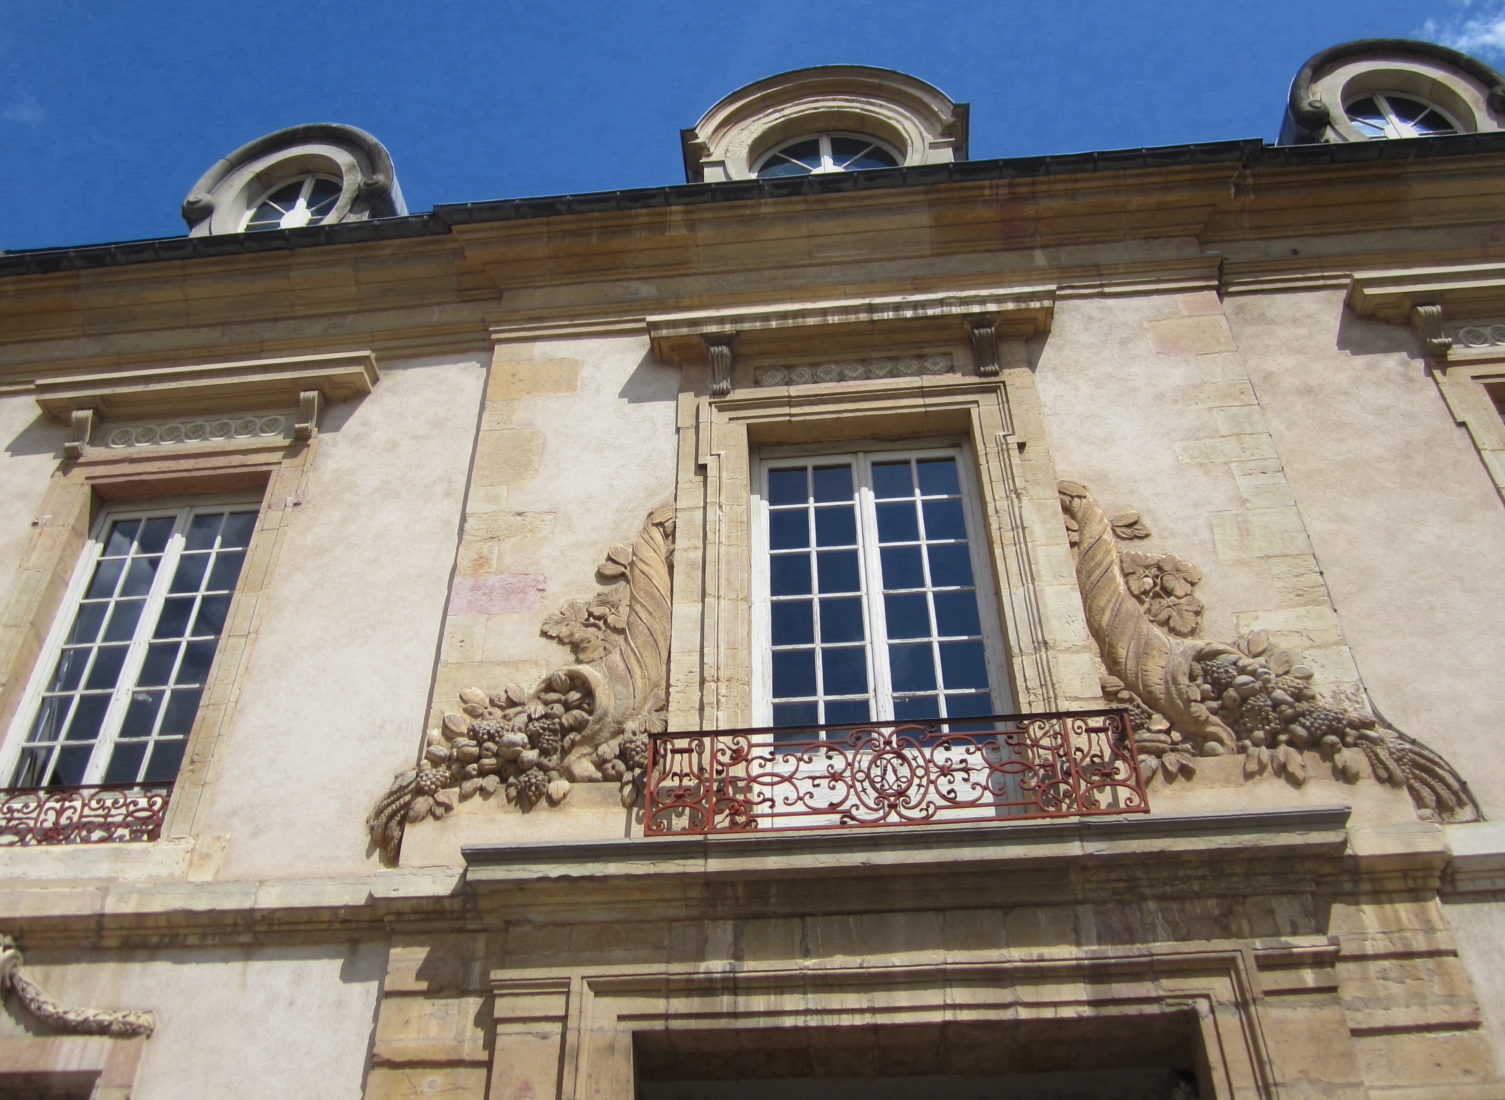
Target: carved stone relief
x=906, y=366
x=1194, y=698
x=584, y=722
x=166, y=433
x=79, y=1021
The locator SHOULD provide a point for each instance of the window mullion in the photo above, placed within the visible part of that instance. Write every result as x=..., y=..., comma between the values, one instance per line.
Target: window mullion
x=880, y=680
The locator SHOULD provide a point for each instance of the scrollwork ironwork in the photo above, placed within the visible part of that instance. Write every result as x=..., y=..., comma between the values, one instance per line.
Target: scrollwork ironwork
x=82, y=815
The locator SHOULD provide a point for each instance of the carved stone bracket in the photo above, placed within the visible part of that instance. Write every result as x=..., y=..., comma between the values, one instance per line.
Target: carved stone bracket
x=310, y=405
x=1194, y=698
x=79, y=1021
x=984, y=336
x=718, y=346
x=1426, y=320
x=80, y=429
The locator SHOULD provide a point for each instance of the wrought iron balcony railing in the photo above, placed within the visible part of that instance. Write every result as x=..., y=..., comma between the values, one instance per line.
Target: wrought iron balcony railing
x=1002, y=768
x=81, y=815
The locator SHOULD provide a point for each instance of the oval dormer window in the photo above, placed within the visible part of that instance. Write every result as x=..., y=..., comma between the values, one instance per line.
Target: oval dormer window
x=1389, y=115
x=304, y=201
x=808, y=156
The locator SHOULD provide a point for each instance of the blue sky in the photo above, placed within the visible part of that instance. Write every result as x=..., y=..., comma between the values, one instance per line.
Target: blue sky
x=110, y=110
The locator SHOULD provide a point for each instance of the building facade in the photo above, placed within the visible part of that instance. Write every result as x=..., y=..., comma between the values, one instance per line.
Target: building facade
x=866, y=621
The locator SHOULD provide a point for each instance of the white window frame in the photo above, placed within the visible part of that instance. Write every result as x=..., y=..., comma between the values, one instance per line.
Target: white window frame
x=827, y=158
x=306, y=185
x=864, y=453
x=46, y=664
x=1395, y=127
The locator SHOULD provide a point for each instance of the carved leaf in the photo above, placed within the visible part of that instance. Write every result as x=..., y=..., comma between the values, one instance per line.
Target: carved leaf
x=618, y=557
x=1294, y=763
x=563, y=623
x=1254, y=643
x=592, y=645
x=1129, y=525
x=1184, y=616
x=1177, y=575
x=420, y=807
x=1256, y=760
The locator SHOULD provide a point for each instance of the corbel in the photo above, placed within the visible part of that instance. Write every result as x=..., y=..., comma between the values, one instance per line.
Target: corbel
x=1426, y=320
x=310, y=405
x=718, y=346
x=80, y=429
x=984, y=335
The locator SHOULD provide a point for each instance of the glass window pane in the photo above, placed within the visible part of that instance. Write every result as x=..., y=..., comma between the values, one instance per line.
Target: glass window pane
x=138, y=576
x=87, y=717
x=226, y=569
x=844, y=670
x=841, y=621
x=793, y=673
x=122, y=534
x=832, y=483
x=795, y=714
x=106, y=574
x=70, y=669
x=173, y=621
x=892, y=479
x=211, y=616
x=963, y=665
x=956, y=613
x=31, y=767
x=71, y=760
x=788, y=486
x=901, y=567
x=123, y=620
x=789, y=574
x=86, y=624
x=182, y=707
x=141, y=715
x=974, y=705
x=194, y=667
x=950, y=565
x=896, y=522
x=844, y=711
x=788, y=529
x=49, y=723
x=106, y=668
x=237, y=529
x=125, y=762
x=793, y=622
x=938, y=476
x=190, y=573
x=156, y=670
x=944, y=519
x=907, y=616
x=917, y=708
x=838, y=571
x=836, y=526
x=202, y=529
x=154, y=535
x=163, y=767
x=911, y=667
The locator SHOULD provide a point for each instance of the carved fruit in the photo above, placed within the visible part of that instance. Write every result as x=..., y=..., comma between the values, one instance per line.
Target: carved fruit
x=532, y=785
x=634, y=749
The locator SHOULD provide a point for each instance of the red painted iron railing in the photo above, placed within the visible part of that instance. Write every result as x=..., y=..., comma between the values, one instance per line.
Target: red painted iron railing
x=1002, y=768
x=81, y=815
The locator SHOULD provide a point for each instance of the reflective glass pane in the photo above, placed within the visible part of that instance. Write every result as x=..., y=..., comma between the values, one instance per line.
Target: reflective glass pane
x=163, y=766
x=916, y=708
x=793, y=622
x=911, y=667
x=838, y=571
x=793, y=673
x=237, y=529
x=141, y=715
x=226, y=569
x=844, y=711
x=86, y=624
x=106, y=668
x=69, y=765
x=844, y=670
x=202, y=529
x=896, y=522
x=123, y=620
x=106, y=574
x=138, y=576
x=789, y=574
x=122, y=534
x=950, y=565
x=788, y=530
x=125, y=762
x=779, y=167
x=156, y=670
x=181, y=709
x=87, y=716
x=963, y=665
x=841, y=620
x=938, y=476
x=795, y=714
x=956, y=613
x=70, y=669
x=194, y=667
x=190, y=573
x=31, y=767
x=892, y=479
x=211, y=616
x=788, y=486
x=944, y=519
x=832, y=483
x=972, y=705
x=901, y=567
x=49, y=722
x=907, y=616
x=154, y=535
x=836, y=526
x=173, y=621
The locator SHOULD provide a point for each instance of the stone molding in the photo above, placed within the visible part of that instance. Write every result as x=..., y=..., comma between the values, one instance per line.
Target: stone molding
x=78, y=1021
x=855, y=370
x=168, y=433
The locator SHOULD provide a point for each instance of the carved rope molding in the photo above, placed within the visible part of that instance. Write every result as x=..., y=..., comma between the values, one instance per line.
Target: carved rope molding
x=584, y=722
x=79, y=1021
x=1196, y=698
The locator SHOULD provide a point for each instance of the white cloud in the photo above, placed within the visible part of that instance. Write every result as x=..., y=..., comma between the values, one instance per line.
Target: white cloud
x=23, y=108
x=1481, y=32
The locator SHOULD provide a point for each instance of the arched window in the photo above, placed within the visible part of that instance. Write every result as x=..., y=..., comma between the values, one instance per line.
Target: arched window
x=1390, y=115
x=307, y=200
x=821, y=153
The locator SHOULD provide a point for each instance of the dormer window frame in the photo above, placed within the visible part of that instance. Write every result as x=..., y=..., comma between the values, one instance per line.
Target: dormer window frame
x=829, y=160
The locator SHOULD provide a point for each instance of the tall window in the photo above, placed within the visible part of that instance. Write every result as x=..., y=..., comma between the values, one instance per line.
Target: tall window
x=125, y=668
x=874, y=610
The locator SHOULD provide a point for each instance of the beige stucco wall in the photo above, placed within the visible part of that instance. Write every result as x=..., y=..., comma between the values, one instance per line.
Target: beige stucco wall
x=1401, y=513
x=30, y=446
x=332, y=694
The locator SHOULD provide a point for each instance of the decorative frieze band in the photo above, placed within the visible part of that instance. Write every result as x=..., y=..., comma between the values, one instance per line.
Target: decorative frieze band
x=199, y=430
x=1477, y=334
x=905, y=366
